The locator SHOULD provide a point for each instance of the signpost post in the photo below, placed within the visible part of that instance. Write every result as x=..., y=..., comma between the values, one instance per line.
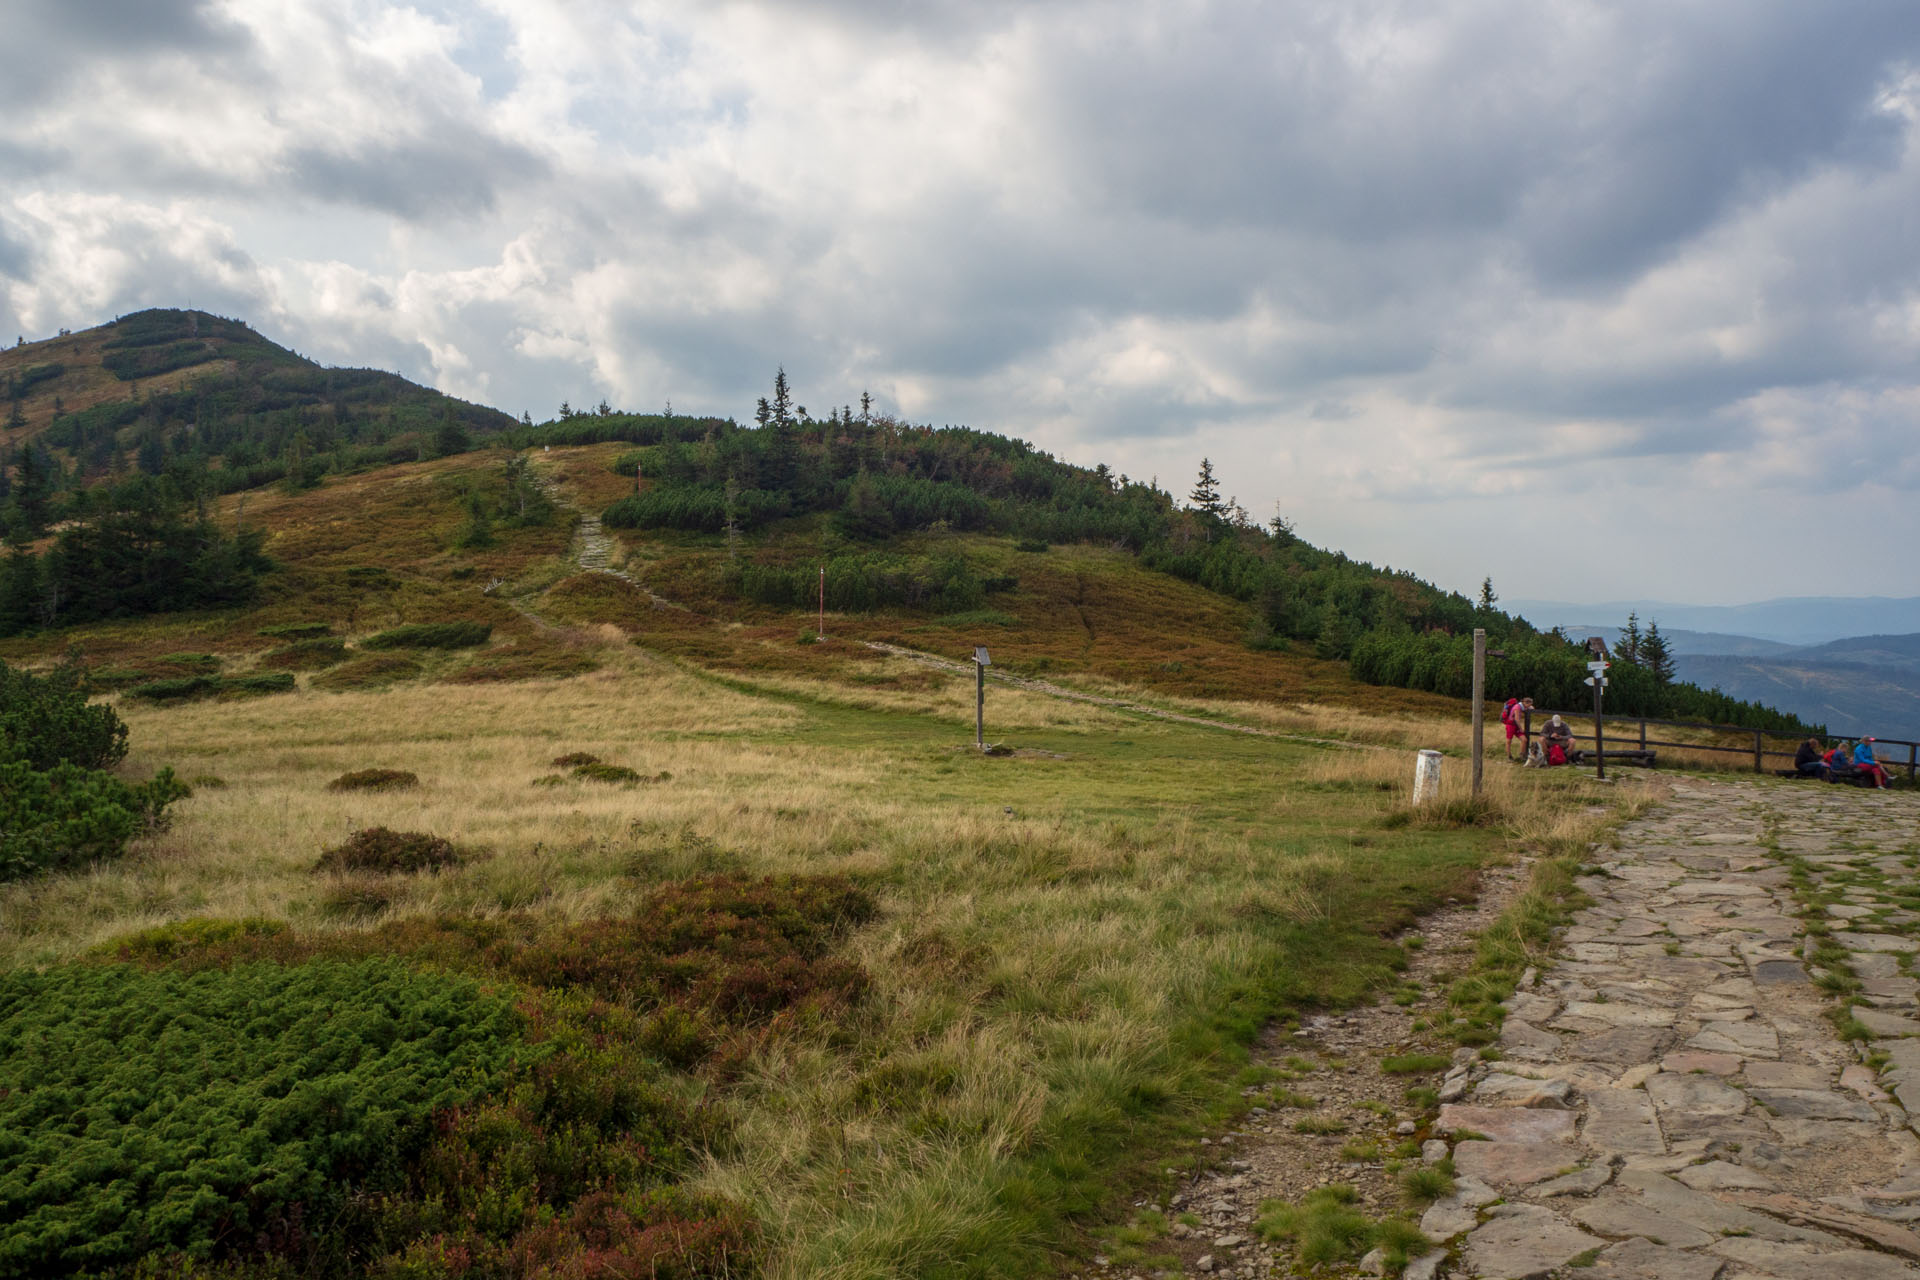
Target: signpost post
x=1480, y=655
x=1599, y=682
x=980, y=664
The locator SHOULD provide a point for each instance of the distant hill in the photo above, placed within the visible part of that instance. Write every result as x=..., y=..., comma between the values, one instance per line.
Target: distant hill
x=1850, y=698
x=1799, y=620
x=185, y=390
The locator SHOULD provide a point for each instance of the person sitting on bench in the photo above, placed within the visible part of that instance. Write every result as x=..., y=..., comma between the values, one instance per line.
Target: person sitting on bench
x=1558, y=739
x=1863, y=762
x=1808, y=759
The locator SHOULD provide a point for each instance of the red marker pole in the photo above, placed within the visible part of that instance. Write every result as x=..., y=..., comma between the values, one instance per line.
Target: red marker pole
x=822, y=632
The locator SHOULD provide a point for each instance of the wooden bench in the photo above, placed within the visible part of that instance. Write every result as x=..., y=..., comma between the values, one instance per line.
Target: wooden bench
x=1628, y=755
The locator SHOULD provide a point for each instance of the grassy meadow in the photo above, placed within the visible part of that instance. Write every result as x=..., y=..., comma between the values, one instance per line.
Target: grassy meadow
x=1074, y=945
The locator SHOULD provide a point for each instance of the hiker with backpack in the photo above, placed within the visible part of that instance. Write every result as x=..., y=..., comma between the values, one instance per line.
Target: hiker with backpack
x=1558, y=739
x=1514, y=716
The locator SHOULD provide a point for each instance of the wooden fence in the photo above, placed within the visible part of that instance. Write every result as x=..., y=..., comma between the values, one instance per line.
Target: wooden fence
x=1758, y=750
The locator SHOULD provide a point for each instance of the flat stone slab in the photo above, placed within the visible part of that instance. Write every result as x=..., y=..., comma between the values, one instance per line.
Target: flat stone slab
x=1718, y=1175
x=1523, y=1241
x=1622, y=1122
x=1748, y=1039
x=1775, y=972
x=1618, y=1215
x=1787, y=1075
x=1624, y=1045
x=1797, y=1262
x=1522, y=1091
x=1523, y=1040
x=1508, y=1124
x=1513, y=1164
x=1694, y=1096
x=1581, y=1182
x=1716, y=1064
x=1645, y=1260
x=1815, y=1104
x=1620, y=1014
x=1885, y=1024
x=1707, y=1212
x=1884, y=943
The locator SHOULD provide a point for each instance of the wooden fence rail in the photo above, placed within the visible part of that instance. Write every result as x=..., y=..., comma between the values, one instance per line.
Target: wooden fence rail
x=1759, y=750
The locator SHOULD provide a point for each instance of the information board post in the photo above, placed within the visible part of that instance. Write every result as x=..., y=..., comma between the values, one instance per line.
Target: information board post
x=980, y=664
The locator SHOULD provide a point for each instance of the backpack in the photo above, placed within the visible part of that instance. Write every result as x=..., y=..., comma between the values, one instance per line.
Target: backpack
x=1506, y=712
x=1556, y=754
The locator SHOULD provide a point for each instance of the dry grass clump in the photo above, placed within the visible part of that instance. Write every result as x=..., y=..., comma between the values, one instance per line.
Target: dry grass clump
x=375, y=780
x=398, y=852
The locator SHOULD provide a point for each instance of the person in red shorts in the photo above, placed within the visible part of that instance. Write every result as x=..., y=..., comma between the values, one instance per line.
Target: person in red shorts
x=1513, y=716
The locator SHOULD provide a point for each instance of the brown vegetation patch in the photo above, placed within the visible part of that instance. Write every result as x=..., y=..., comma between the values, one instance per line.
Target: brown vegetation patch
x=403, y=852
x=368, y=673
x=528, y=662
x=306, y=655
x=375, y=780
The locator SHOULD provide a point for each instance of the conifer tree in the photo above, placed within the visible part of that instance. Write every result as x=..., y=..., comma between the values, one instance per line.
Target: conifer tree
x=1206, y=491
x=1630, y=640
x=1655, y=656
x=1487, y=597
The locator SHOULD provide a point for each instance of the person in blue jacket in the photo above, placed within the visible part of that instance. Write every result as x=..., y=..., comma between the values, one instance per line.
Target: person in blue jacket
x=1863, y=761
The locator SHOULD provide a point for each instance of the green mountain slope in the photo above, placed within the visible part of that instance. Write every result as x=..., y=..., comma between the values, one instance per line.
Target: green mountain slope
x=215, y=403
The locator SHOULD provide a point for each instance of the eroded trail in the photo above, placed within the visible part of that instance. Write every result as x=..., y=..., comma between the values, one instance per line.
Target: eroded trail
x=1672, y=1098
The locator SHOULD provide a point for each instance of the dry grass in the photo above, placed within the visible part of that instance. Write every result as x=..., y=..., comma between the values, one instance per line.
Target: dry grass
x=1075, y=943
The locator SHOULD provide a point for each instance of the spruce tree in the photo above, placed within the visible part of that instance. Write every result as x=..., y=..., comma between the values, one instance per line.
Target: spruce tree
x=1487, y=597
x=1206, y=491
x=1655, y=656
x=1630, y=640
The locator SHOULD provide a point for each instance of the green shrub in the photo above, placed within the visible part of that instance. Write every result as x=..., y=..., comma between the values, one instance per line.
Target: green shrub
x=375, y=780
x=45, y=720
x=150, y=1113
x=68, y=817
x=1031, y=545
x=176, y=689
x=574, y=759
x=258, y=685
x=430, y=635
x=298, y=631
x=378, y=849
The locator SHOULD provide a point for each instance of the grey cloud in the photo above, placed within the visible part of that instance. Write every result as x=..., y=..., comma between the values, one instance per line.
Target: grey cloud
x=1599, y=159
x=51, y=44
x=455, y=172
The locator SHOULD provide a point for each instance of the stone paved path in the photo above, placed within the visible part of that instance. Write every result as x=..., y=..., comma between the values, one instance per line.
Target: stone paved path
x=1673, y=1100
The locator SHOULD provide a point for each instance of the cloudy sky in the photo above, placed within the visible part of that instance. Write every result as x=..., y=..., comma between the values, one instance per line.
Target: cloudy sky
x=1601, y=299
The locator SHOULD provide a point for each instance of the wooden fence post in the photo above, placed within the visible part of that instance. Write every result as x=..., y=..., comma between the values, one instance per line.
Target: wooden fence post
x=1759, y=765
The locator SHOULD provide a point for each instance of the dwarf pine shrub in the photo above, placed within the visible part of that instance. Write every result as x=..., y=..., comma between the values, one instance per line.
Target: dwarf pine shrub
x=430, y=635
x=151, y=1113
